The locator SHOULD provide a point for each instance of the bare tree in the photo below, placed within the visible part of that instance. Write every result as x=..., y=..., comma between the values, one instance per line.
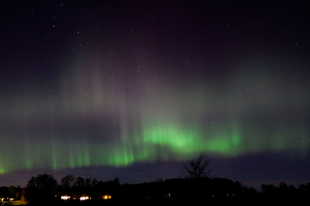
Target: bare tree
x=79, y=182
x=67, y=181
x=197, y=168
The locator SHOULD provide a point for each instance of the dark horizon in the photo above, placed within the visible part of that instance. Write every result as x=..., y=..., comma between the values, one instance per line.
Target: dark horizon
x=108, y=173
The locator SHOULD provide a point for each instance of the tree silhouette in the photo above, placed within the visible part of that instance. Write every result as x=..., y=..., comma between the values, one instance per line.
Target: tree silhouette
x=197, y=168
x=79, y=182
x=41, y=187
x=44, y=182
x=67, y=181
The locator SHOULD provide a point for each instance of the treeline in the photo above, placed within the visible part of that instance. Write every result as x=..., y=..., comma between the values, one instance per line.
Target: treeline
x=285, y=190
x=44, y=187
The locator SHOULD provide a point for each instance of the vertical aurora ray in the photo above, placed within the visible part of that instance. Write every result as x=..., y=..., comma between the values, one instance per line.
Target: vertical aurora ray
x=155, y=140
x=99, y=118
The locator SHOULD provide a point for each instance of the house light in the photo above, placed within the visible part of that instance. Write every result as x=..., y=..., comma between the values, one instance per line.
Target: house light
x=84, y=198
x=65, y=197
x=6, y=199
x=107, y=197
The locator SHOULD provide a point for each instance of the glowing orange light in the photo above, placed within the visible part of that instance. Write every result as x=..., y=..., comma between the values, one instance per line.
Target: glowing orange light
x=107, y=197
x=84, y=198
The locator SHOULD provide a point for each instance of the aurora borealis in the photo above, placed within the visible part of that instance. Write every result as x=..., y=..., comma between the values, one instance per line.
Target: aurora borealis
x=115, y=86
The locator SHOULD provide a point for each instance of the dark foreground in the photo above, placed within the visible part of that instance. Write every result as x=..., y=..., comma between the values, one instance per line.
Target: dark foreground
x=171, y=202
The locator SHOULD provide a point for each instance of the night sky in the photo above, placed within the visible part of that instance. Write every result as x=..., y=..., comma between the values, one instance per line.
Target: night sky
x=134, y=89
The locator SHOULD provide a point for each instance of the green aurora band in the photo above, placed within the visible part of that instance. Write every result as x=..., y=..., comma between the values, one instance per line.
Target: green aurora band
x=94, y=120
x=152, y=143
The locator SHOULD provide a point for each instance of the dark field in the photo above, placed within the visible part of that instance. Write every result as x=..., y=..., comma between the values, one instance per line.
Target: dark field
x=171, y=202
